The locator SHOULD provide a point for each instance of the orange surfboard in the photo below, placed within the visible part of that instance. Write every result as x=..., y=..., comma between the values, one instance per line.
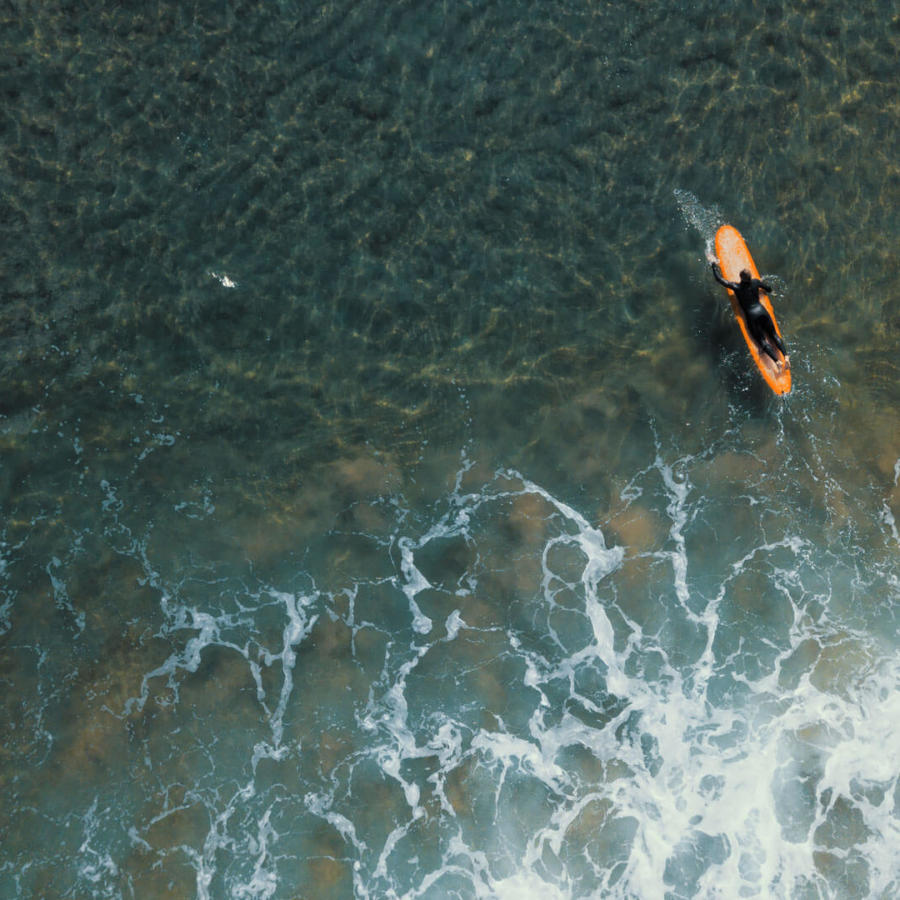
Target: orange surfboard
x=734, y=256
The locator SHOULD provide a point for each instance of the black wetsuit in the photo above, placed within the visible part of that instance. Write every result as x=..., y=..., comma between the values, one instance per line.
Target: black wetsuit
x=759, y=322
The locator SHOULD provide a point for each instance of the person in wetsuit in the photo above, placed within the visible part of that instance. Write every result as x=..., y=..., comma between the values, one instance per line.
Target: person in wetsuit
x=759, y=322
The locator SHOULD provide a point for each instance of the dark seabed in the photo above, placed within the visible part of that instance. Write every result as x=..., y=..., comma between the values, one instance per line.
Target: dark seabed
x=390, y=507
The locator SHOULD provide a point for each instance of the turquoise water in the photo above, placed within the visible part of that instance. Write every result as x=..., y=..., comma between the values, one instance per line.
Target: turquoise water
x=390, y=506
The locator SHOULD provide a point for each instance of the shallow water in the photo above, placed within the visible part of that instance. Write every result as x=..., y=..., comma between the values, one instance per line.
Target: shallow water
x=390, y=507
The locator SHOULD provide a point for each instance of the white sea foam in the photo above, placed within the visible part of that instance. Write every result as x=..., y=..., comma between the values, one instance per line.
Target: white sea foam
x=557, y=737
x=710, y=791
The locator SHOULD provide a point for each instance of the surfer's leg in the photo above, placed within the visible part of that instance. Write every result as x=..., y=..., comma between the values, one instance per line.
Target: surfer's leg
x=777, y=341
x=758, y=331
x=763, y=331
x=764, y=343
x=772, y=337
x=755, y=327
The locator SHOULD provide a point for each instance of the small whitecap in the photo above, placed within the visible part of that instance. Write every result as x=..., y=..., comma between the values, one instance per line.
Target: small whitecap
x=224, y=279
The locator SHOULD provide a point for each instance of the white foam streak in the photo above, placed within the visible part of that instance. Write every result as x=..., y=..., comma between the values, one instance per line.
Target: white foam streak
x=98, y=866
x=677, y=489
x=414, y=582
x=299, y=624
x=887, y=516
x=320, y=805
x=217, y=838
x=210, y=632
x=512, y=752
x=264, y=881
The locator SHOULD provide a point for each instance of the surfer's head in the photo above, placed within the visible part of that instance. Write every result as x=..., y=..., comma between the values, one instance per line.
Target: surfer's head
x=745, y=275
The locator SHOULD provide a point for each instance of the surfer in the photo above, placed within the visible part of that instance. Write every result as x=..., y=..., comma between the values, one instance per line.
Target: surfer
x=759, y=322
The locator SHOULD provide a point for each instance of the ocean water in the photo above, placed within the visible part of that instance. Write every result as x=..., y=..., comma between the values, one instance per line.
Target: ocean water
x=389, y=506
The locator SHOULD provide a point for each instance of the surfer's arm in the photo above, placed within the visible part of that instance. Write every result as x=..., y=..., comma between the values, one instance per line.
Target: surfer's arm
x=715, y=270
x=764, y=287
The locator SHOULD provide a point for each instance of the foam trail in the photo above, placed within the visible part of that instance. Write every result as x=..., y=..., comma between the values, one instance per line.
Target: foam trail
x=677, y=489
x=299, y=625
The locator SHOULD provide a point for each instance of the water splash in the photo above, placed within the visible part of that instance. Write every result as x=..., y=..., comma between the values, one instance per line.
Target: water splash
x=705, y=220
